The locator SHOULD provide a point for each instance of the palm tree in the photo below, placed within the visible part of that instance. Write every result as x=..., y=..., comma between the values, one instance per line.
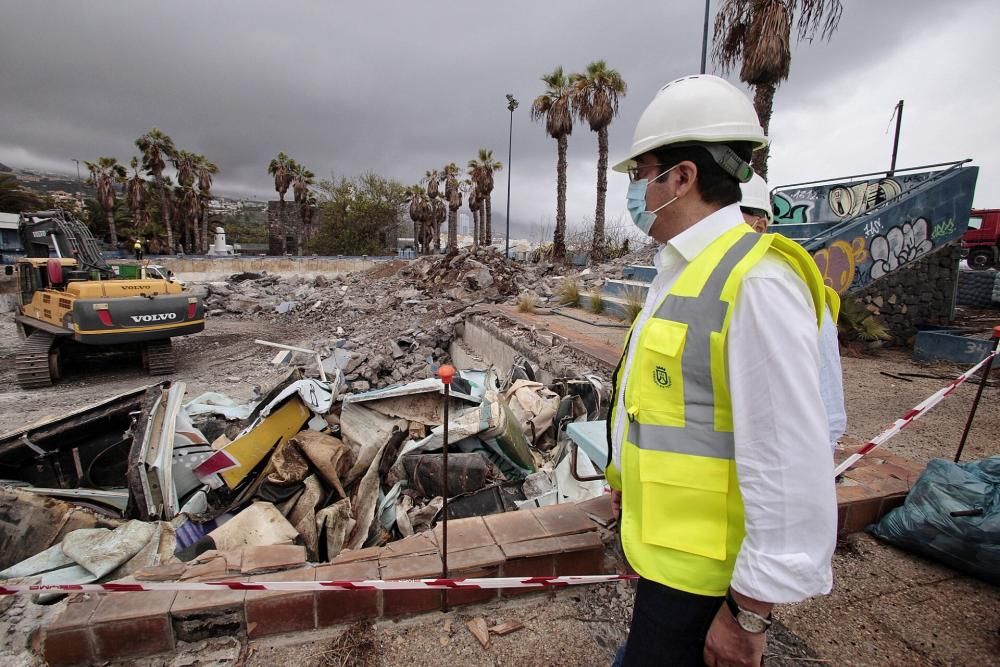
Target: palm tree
x=184, y=162
x=135, y=196
x=420, y=214
x=474, y=206
x=596, y=94
x=756, y=34
x=453, y=196
x=301, y=179
x=156, y=148
x=205, y=171
x=432, y=180
x=489, y=167
x=281, y=169
x=439, y=215
x=554, y=106
x=104, y=174
x=14, y=198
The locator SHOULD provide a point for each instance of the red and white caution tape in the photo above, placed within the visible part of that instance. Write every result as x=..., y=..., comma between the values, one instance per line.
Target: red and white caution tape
x=365, y=585
x=911, y=416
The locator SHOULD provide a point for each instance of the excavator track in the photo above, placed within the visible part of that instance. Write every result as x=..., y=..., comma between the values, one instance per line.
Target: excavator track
x=37, y=361
x=159, y=357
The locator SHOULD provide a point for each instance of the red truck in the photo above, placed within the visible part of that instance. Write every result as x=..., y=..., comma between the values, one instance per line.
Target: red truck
x=982, y=240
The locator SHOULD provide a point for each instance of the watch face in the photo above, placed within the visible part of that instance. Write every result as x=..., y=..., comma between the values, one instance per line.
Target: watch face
x=751, y=622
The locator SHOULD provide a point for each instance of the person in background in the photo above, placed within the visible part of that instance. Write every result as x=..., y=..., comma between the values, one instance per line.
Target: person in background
x=719, y=459
x=758, y=213
x=137, y=247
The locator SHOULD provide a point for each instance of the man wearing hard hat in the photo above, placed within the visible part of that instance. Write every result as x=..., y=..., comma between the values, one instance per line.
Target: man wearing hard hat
x=759, y=214
x=719, y=461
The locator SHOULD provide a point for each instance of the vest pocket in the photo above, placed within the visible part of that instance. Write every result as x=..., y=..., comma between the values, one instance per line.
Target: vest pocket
x=684, y=502
x=659, y=372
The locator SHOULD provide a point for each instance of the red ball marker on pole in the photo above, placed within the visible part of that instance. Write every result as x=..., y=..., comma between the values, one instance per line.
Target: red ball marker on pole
x=446, y=373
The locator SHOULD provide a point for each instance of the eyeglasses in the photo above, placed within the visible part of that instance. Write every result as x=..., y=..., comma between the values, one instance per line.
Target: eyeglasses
x=633, y=172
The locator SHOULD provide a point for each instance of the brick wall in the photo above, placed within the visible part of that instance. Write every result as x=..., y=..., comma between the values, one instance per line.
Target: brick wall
x=285, y=231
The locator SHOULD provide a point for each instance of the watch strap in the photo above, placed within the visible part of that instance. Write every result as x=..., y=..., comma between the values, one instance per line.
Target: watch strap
x=735, y=609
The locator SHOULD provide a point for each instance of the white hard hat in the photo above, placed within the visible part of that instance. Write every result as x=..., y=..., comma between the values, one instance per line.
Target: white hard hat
x=756, y=195
x=699, y=108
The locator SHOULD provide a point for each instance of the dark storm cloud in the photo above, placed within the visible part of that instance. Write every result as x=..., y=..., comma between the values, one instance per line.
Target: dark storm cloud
x=393, y=87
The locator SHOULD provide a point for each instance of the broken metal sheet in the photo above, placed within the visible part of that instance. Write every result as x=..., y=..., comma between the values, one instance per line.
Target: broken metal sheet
x=317, y=395
x=259, y=524
x=428, y=385
x=71, y=429
x=217, y=404
x=368, y=431
x=112, y=499
x=387, y=506
x=234, y=462
x=336, y=523
x=331, y=457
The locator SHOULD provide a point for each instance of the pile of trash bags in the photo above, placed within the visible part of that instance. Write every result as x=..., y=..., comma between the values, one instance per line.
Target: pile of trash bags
x=952, y=515
x=311, y=464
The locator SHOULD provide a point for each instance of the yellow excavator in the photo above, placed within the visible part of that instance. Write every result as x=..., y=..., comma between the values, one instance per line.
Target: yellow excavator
x=71, y=301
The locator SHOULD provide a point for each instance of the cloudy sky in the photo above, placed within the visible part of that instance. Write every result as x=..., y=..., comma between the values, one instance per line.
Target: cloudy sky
x=400, y=87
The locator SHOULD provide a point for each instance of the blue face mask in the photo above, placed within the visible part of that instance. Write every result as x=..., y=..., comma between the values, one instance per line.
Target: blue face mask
x=636, y=203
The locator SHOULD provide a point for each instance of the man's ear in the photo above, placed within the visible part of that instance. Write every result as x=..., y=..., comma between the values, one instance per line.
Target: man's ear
x=685, y=177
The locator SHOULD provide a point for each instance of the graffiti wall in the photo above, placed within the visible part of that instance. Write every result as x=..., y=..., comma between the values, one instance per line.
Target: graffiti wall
x=931, y=216
x=835, y=202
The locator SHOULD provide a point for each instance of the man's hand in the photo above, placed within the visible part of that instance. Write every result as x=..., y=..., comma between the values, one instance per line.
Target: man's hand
x=729, y=645
x=616, y=503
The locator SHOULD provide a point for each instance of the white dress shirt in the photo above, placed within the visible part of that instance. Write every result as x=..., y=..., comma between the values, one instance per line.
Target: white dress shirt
x=780, y=425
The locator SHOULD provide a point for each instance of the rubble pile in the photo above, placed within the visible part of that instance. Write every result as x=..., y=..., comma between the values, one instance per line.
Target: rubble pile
x=315, y=464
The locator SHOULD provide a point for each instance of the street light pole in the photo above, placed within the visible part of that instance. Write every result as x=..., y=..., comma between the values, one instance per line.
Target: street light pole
x=704, y=39
x=511, y=105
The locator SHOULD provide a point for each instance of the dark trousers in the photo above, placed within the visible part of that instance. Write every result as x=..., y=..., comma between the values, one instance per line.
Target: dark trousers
x=668, y=626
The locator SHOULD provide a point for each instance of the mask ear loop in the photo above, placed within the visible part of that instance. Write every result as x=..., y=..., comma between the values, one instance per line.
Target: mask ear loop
x=672, y=200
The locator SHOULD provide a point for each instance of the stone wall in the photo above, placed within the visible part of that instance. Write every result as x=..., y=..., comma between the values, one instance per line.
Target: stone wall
x=922, y=293
x=284, y=228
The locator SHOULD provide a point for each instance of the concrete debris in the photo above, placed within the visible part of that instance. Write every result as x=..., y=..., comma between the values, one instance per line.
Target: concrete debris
x=312, y=468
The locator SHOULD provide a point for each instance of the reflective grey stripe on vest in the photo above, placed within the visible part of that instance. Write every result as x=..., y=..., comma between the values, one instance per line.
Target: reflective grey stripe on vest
x=703, y=314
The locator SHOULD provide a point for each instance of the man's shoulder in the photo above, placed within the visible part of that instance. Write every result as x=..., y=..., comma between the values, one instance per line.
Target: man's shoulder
x=773, y=266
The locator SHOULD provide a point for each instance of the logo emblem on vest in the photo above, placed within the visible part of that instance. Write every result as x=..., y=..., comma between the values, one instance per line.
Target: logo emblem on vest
x=661, y=377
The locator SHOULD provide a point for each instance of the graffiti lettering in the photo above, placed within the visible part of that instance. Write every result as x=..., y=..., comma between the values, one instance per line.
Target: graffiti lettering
x=873, y=227
x=901, y=244
x=848, y=201
x=786, y=212
x=941, y=229
x=839, y=262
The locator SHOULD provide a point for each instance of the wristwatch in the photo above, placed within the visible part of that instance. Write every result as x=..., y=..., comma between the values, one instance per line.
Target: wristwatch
x=748, y=620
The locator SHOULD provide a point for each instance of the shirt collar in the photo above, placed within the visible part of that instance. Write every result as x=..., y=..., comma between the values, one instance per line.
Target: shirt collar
x=692, y=241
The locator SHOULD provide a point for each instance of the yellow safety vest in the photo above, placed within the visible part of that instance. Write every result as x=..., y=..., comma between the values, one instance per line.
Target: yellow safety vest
x=682, y=511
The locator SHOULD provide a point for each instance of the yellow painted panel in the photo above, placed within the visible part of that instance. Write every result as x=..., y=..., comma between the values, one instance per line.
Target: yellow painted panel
x=279, y=426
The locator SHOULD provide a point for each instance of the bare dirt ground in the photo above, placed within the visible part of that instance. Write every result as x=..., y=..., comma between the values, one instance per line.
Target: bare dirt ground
x=222, y=358
x=887, y=608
